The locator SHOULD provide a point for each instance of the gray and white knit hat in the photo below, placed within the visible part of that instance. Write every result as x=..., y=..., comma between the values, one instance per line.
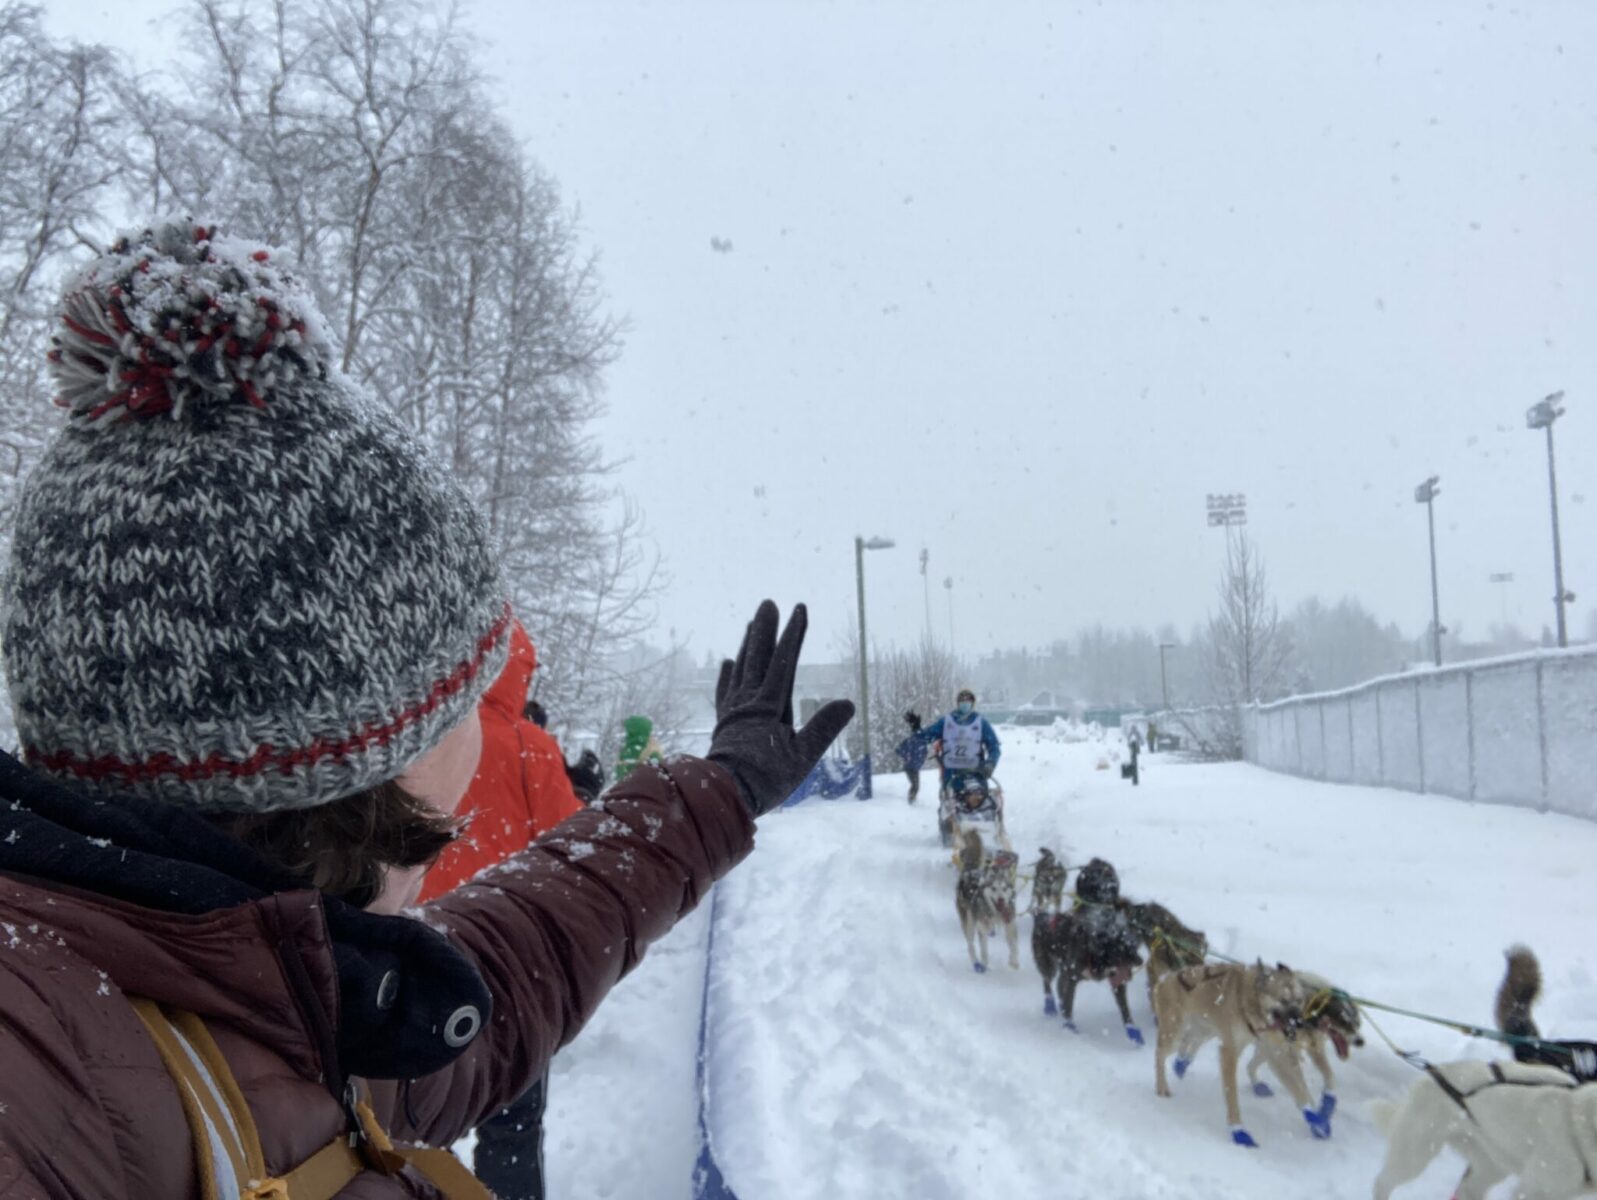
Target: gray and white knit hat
x=236, y=583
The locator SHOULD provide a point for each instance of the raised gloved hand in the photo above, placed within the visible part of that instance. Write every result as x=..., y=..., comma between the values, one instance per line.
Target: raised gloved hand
x=587, y=776
x=912, y=719
x=754, y=737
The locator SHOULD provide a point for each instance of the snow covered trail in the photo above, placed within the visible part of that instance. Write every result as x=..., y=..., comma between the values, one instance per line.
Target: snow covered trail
x=623, y=1100
x=857, y=1054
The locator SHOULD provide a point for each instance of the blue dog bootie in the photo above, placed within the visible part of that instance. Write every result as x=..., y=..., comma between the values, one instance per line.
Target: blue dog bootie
x=979, y=968
x=1049, y=1008
x=1135, y=1035
x=1071, y=1025
x=1181, y=1065
x=1327, y=1105
x=1242, y=1137
x=1319, y=1126
x=1262, y=1089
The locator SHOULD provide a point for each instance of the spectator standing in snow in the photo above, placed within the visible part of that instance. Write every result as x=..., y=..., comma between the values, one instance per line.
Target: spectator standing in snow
x=912, y=752
x=970, y=747
x=246, y=626
x=638, y=745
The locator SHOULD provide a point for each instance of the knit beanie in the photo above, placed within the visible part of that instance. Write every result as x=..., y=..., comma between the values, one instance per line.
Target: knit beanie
x=236, y=583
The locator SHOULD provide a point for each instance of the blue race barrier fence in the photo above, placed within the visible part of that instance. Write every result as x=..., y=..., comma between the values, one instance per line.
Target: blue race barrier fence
x=708, y=1181
x=832, y=779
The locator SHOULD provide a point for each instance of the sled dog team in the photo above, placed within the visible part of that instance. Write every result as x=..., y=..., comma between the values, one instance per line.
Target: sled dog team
x=1534, y=1118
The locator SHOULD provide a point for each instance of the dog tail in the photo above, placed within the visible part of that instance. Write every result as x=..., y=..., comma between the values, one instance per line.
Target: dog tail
x=1522, y=984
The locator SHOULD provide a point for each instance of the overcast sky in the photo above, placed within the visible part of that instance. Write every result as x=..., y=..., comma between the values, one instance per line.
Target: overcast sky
x=1022, y=283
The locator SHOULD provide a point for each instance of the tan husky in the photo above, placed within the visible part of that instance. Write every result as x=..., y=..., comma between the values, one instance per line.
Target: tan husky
x=1328, y=1016
x=985, y=898
x=1242, y=1006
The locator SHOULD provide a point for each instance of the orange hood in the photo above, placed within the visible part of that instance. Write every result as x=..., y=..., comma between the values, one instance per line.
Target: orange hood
x=508, y=695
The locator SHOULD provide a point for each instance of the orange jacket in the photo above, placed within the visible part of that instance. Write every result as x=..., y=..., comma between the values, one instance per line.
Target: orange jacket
x=520, y=789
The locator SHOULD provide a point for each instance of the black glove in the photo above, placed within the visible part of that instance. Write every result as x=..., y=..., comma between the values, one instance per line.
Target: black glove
x=587, y=777
x=912, y=719
x=754, y=737
x=986, y=770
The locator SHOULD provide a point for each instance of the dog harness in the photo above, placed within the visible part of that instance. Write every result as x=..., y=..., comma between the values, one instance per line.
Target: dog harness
x=1498, y=1079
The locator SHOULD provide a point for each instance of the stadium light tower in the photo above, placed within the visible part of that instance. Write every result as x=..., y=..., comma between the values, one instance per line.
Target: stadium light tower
x=1501, y=577
x=926, y=590
x=948, y=586
x=1541, y=415
x=1426, y=494
x=1164, y=676
x=860, y=546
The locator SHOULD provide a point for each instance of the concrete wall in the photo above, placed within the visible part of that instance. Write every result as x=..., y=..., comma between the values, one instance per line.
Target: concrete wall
x=1519, y=730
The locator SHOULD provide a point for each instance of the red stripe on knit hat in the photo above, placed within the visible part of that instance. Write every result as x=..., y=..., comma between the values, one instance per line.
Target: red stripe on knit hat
x=268, y=758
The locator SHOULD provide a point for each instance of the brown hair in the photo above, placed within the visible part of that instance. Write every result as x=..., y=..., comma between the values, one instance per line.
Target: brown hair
x=344, y=847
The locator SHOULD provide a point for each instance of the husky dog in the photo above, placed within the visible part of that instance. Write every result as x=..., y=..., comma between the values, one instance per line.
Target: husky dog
x=1241, y=1006
x=1094, y=941
x=985, y=898
x=1171, y=945
x=1519, y=991
x=1328, y=1016
x=1505, y=1118
x=1098, y=883
x=1048, y=884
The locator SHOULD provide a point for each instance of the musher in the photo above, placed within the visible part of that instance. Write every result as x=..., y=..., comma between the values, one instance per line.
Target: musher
x=970, y=747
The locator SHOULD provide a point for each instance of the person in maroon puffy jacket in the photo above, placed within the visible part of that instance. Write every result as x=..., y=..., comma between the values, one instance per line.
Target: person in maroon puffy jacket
x=246, y=626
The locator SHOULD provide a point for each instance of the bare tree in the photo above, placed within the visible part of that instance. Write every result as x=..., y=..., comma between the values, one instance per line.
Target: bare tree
x=59, y=125
x=921, y=679
x=647, y=681
x=1249, y=649
x=356, y=134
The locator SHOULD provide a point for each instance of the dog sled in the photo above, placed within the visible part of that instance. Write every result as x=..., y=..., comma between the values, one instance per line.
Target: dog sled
x=971, y=802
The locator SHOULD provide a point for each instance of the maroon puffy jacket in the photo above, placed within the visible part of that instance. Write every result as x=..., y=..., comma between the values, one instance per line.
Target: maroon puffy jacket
x=88, y=1112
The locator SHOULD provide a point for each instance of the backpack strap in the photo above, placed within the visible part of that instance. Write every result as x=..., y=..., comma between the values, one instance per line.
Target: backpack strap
x=228, y=1159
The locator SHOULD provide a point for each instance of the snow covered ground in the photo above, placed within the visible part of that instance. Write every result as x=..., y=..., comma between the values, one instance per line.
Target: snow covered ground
x=857, y=1054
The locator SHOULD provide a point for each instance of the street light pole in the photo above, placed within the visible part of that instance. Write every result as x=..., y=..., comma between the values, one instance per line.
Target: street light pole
x=1541, y=416
x=1164, y=677
x=926, y=590
x=860, y=546
x=1426, y=494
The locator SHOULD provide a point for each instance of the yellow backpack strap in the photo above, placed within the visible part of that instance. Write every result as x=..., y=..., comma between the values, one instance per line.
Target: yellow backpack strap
x=209, y=1129
x=219, y=1117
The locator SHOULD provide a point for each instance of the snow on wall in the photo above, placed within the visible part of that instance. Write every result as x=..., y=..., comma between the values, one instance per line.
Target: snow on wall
x=1569, y=708
x=1311, y=741
x=1400, y=736
x=1444, y=712
x=1338, y=720
x=1364, y=717
x=1508, y=755
x=1520, y=730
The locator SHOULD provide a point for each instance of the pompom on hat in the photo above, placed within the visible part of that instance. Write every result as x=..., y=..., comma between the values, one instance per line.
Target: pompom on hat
x=236, y=583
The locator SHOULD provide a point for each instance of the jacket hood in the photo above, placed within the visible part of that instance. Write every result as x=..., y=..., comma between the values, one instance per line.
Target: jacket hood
x=508, y=693
x=402, y=991
x=637, y=731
